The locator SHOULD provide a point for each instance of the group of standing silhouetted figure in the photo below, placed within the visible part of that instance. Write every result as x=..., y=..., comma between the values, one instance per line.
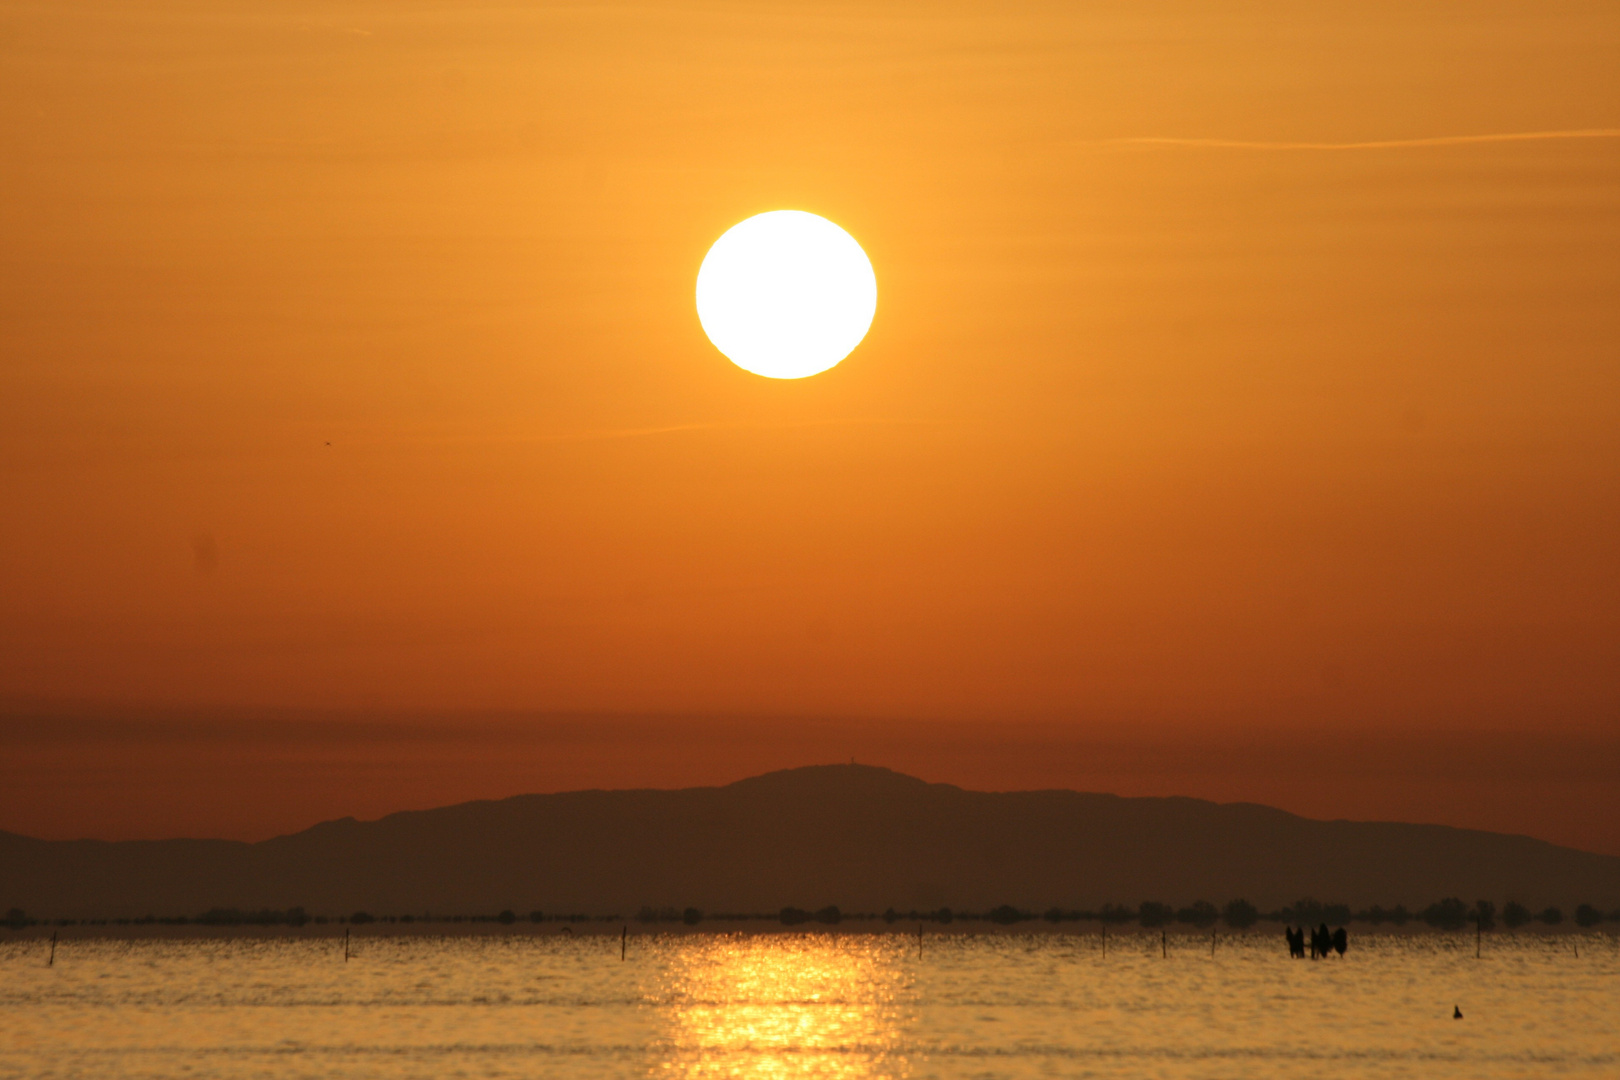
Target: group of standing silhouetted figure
x=1322, y=941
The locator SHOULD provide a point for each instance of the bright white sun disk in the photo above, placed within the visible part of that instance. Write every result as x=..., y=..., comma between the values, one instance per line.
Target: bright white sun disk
x=786, y=294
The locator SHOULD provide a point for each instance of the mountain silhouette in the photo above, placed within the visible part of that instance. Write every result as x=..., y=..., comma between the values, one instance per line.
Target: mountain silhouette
x=860, y=837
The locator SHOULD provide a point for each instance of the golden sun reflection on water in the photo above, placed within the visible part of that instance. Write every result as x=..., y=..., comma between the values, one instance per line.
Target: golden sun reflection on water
x=824, y=1006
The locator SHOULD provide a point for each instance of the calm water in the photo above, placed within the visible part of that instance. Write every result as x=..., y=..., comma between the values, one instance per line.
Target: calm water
x=814, y=1005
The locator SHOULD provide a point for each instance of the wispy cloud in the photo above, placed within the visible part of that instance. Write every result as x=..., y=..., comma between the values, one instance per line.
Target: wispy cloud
x=1377, y=144
x=587, y=435
x=735, y=425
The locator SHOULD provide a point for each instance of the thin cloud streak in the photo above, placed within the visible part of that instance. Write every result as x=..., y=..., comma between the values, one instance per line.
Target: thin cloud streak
x=375, y=438
x=736, y=425
x=1379, y=144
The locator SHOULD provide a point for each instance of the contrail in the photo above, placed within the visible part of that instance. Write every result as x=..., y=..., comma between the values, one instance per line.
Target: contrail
x=1380, y=144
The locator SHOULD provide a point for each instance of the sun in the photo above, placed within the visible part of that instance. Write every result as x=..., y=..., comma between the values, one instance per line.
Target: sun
x=786, y=294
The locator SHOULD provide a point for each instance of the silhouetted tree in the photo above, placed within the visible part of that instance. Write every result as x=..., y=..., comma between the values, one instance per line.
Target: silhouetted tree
x=1201, y=913
x=267, y=917
x=829, y=914
x=1005, y=915
x=1116, y=913
x=1514, y=914
x=1310, y=910
x=1302, y=911
x=1240, y=914
x=1587, y=915
x=1448, y=914
x=537, y=916
x=220, y=917
x=361, y=917
x=1154, y=914
x=891, y=916
x=943, y=915
x=507, y=917
x=1550, y=916
x=1483, y=915
x=792, y=916
x=691, y=916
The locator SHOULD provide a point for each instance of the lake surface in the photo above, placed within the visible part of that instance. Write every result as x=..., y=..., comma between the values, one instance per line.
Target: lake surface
x=813, y=1005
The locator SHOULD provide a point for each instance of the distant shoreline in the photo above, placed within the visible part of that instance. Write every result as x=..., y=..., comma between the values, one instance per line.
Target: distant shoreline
x=617, y=928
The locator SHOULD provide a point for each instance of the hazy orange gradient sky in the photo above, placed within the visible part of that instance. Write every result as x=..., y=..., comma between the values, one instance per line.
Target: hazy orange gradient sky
x=1241, y=417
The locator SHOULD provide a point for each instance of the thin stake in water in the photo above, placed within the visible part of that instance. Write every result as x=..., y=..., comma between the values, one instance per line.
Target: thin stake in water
x=52, y=961
x=345, y=945
x=1164, y=944
x=624, y=940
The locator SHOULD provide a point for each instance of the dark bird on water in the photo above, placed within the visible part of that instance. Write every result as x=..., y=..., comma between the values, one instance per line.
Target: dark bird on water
x=1456, y=1013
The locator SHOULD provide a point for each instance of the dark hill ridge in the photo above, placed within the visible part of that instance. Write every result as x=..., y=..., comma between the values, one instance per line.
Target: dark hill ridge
x=860, y=837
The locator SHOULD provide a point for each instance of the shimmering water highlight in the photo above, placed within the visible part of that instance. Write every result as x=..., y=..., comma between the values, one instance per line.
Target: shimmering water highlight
x=820, y=1005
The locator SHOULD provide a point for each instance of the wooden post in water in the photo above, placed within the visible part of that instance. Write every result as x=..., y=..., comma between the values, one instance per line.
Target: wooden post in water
x=345, y=944
x=52, y=961
x=1164, y=944
x=624, y=940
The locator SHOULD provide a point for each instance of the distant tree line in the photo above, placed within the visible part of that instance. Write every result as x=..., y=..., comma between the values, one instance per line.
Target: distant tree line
x=1448, y=914
x=1451, y=913
x=232, y=917
x=17, y=919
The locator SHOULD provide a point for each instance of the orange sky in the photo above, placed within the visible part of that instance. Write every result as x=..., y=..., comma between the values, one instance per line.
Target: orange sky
x=1185, y=420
